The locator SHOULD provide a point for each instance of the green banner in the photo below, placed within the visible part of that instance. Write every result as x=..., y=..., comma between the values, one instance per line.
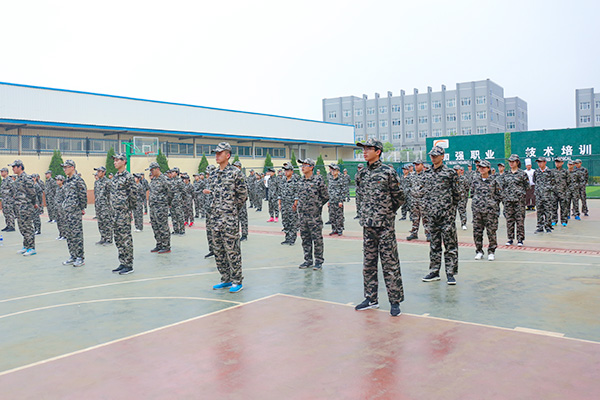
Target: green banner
x=465, y=149
x=569, y=143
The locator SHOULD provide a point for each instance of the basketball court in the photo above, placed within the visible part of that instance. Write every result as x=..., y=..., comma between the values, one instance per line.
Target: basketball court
x=523, y=326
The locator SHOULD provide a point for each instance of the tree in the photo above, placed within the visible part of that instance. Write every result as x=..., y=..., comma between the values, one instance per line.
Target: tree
x=268, y=162
x=387, y=147
x=236, y=158
x=55, y=164
x=110, y=163
x=340, y=162
x=295, y=163
x=320, y=166
x=161, y=159
x=203, y=164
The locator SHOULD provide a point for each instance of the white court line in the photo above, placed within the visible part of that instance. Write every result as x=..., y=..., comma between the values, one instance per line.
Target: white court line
x=116, y=299
x=128, y=337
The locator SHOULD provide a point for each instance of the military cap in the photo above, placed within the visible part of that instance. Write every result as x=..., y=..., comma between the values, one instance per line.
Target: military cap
x=437, y=151
x=559, y=159
x=48, y=172
x=68, y=163
x=120, y=156
x=334, y=166
x=485, y=164
x=210, y=168
x=185, y=176
x=35, y=176
x=4, y=169
x=223, y=146
x=288, y=166
x=371, y=142
x=60, y=178
x=153, y=165
x=174, y=169
x=571, y=162
x=513, y=157
x=578, y=161
x=196, y=174
x=406, y=166
x=457, y=167
x=100, y=169
x=308, y=161
x=541, y=159
x=16, y=163
x=136, y=175
x=270, y=169
x=500, y=163
x=251, y=170
x=477, y=161
x=237, y=163
x=418, y=162
x=361, y=166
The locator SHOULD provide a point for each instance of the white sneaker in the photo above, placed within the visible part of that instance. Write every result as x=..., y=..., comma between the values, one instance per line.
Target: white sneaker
x=478, y=256
x=22, y=251
x=464, y=227
x=520, y=244
x=137, y=230
x=491, y=257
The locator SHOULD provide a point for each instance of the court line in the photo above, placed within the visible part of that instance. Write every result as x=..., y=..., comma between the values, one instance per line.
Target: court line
x=426, y=315
x=128, y=337
x=116, y=299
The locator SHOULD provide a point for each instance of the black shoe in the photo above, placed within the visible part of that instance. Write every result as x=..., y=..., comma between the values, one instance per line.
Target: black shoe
x=100, y=242
x=318, y=267
x=126, y=271
x=412, y=237
x=451, y=280
x=291, y=243
x=155, y=250
x=395, y=311
x=402, y=219
x=586, y=214
x=539, y=230
x=5, y=228
x=243, y=238
x=70, y=261
x=285, y=242
x=107, y=244
x=11, y=229
x=357, y=217
x=430, y=277
x=548, y=230
x=333, y=233
x=366, y=305
x=305, y=265
x=209, y=255
x=38, y=233
x=328, y=223
x=118, y=269
x=428, y=237
x=164, y=251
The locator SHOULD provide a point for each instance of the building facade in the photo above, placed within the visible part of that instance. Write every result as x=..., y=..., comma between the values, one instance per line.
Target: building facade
x=407, y=120
x=587, y=108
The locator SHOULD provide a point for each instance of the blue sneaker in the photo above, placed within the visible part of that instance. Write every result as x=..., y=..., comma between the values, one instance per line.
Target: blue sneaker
x=222, y=285
x=564, y=224
x=23, y=250
x=235, y=288
x=569, y=217
x=29, y=252
x=578, y=218
x=554, y=224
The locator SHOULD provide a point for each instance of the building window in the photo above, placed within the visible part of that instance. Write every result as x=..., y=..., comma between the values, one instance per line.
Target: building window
x=359, y=138
x=359, y=125
x=585, y=119
x=436, y=118
x=480, y=100
x=597, y=105
x=451, y=102
x=436, y=132
x=466, y=116
x=481, y=130
x=332, y=115
x=383, y=123
x=396, y=135
x=466, y=131
x=396, y=122
x=436, y=104
x=451, y=131
x=422, y=134
x=273, y=151
x=409, y=121
x=382, y=109
x=410, y=135
x=584, y=105
x=465, y=101
x=597, y=117
x=409, y=107
x=396, y=108
x=346, y=113
x=358, y=112
x=371, y=124
x=510, y=113
x=371, y=111
x=422, y=105
x=481, y=114
x=510, y=125
x=423, y=119
x=383, y=137
x=450, y=117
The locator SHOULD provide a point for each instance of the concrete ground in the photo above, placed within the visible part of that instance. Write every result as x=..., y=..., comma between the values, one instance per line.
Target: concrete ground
x=48, y=311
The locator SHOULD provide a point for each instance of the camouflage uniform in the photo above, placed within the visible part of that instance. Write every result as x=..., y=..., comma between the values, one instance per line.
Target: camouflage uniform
x=288, y=194
x=74, y=193
x=357, y=195
x=273, y=196
x=60, y=215
x=123, y=202
x=574, y=195
x=405, y=186
x=346, y=179
x=312, y=196
x=198, y=186
x=146, y=188
x=418, y=190
x=463, y=188
x=228, y=190
x=440, y=203
x=50, y=190
x=336, y=192
x=485, y=205
x=560, y=196
x=6, y=197
x=544, y=181
x=177, y=214
x=188, y=203
x=514, y=187
x=160, y=200
x=259, y=192
x=583, y=180
x=250, y=182
x=23, y=193
x=138, y=212
x=381, y=197
x=208, y=204
x=104, y=212
x=39, y=200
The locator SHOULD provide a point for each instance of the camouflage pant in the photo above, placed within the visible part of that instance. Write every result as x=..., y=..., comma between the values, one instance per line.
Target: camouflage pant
x=336, y=217
x=563, y=203
x=104, y=215
x=37, y=222
x=243, y=218
x=543, y=206
x=583, y=197
x=228, y=255
x=514, y=212
x=123, y=238
x=357, y=201
x=405, y=207
x=177, y=218
x=9, y=214
x=51, y=205
x=145, y=203
x=488, y=221
x=442, y=228
x=197, y=208
x=24, y=214
x=60, y=222
x=381, y=242
x=574, y=202
x=289, y=219
x=138, y=216
x=462, y=209
x=159, y=219
x=73, y=230
x=188, y=211
x=273, y=208
x=417, y=213
x=311, y=232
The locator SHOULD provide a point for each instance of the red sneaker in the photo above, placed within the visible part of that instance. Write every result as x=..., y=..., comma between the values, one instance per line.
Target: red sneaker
x=271, y=220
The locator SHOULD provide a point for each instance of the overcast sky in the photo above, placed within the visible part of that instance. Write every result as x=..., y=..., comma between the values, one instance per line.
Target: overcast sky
x=283, y=57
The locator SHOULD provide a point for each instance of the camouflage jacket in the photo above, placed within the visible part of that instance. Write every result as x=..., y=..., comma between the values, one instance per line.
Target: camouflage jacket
x=584, y=176
x=229, y=192
x=178, y=191
x=273, y=187
x=463, y=186
x=288, y=192
x=381, y=195
x=102, y=192
x=145, y=184
x=513, y=186
x=161, y=194
x=188, y=192
x=441, y=191
x=59, y=197
x=39, y=193
x=336, y=189
x=312, y=195
x=6, y=190
x=50, y=189
x=561, y=182
x=417, y=183
x=74, y=194
x=198, y=187
x=485, y=194
x=23, y=190
x=575, y=182
x=544, y=181
x=140, y=192
x=122, y=191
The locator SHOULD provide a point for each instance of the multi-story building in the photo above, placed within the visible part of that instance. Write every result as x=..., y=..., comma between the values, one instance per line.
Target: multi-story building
x=587, y=107
x=407, y=120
